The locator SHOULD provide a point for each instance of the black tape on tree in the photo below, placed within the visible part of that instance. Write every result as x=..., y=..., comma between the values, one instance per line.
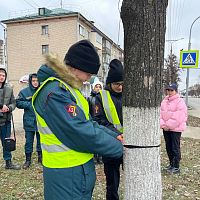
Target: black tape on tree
x=129, y=146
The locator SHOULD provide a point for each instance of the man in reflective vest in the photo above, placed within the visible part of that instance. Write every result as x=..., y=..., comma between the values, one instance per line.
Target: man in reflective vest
x=108, y=112
x=69, y=137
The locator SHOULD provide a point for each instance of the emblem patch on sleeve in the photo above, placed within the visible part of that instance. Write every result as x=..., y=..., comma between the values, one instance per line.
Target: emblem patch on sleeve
x=71, y=110
x=96, y=109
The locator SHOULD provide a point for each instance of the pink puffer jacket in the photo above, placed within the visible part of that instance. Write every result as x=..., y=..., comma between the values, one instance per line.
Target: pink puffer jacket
x=173, y=113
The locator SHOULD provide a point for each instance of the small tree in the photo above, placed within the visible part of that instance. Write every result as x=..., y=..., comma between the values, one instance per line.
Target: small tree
x=144, y=37
x=171, y=70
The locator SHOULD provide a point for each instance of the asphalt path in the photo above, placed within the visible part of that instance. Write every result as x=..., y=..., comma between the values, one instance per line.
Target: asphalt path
x=194, y=106
x=191, y=132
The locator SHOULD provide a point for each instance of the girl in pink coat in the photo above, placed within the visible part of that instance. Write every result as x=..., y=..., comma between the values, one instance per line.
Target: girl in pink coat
x=173, y=117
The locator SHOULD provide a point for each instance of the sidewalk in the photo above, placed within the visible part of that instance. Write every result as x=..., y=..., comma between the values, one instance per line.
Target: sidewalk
x=190, y=132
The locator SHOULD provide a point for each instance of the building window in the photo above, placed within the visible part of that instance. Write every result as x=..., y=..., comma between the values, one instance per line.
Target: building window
x=45, y=49
x=98, y=38
x=81, y=30
x=45, y=30
x=87, y=35
x=41, y=11
x=108, y=44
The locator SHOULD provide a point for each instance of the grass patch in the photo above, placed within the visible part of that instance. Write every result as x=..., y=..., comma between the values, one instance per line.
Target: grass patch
x=28, y=184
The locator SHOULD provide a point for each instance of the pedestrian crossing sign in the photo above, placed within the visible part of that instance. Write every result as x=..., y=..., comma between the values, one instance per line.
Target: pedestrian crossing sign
x=189, y=59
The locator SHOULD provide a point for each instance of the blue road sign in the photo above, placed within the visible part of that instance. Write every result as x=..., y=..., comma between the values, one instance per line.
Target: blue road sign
x=189, y=59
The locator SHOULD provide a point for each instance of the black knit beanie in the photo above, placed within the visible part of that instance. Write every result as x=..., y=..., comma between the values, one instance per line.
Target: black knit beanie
x=82, y=55
x=115, y=73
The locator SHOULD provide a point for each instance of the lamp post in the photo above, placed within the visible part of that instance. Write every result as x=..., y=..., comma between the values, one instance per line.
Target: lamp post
x=172, y=42
x=188, y=72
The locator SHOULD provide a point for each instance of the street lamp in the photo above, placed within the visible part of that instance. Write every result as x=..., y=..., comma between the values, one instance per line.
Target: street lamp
x=188, y=72
x=171, y=41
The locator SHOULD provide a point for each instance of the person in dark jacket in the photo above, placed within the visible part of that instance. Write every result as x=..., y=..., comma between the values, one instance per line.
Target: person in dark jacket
x=7, y=105
x=69, y=136
x=23, y=101
x=108, y=112
x=96, y=87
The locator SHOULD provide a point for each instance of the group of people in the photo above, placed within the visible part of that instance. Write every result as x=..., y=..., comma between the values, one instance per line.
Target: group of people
x=72, y=130
x=7, y=105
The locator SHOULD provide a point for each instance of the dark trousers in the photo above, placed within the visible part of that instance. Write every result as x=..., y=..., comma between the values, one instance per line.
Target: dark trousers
x=5, y=131
x=29, y=135
x=112, y=172
x=172, y=141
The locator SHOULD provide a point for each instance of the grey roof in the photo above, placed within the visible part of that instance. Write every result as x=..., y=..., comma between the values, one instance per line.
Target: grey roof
x=48, y=13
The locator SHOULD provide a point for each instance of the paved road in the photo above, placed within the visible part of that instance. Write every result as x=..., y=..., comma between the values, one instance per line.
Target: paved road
x=191, y=132
x=194, y=103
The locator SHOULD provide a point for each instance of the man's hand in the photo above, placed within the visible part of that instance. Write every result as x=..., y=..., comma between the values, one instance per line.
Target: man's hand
x=5, y=109
x=120, y=138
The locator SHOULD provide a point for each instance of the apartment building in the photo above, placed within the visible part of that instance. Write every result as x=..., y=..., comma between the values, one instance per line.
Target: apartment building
x=55, y=30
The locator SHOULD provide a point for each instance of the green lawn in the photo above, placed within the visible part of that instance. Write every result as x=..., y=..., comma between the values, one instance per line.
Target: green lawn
x=27, y=184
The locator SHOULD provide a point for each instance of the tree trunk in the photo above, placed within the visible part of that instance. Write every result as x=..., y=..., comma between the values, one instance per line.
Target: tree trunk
x=144, y=36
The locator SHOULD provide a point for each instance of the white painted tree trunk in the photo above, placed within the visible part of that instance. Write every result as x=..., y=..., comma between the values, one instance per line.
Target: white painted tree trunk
x=142, y=179
x=144, y=38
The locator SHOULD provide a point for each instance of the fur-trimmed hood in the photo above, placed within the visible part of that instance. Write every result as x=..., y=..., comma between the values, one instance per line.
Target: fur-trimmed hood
x=54, y=67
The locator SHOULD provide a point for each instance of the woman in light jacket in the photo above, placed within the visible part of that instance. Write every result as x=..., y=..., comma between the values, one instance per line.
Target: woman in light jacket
x=173, y=117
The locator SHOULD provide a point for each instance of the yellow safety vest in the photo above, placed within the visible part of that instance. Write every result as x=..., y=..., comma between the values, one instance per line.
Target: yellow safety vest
x=54, y=153
x=110, y=110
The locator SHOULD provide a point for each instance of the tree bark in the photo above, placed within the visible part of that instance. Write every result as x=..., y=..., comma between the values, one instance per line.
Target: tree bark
x=144, y=36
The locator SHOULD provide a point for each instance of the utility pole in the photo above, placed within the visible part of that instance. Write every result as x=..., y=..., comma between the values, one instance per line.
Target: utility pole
x=188, y=72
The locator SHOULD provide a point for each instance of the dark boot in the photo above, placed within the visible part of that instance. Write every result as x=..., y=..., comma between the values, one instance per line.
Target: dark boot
x=10, y=165
x=27, y=163
x=40, y=157
x=174, y=170
x=171, y=165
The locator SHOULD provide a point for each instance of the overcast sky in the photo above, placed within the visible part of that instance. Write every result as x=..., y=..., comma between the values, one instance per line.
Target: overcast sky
x=105, y=14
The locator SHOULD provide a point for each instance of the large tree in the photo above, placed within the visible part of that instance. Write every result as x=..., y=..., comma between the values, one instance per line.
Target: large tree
x=144, y=36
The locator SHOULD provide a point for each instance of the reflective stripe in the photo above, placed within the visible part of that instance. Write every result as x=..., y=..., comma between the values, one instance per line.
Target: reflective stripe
x=44, y=130
x=118, y=127
x=111, y=115
x=106, y=106
x=54, y=148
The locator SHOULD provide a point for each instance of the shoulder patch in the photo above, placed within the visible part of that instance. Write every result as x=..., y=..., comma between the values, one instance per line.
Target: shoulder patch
x=71, y=110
